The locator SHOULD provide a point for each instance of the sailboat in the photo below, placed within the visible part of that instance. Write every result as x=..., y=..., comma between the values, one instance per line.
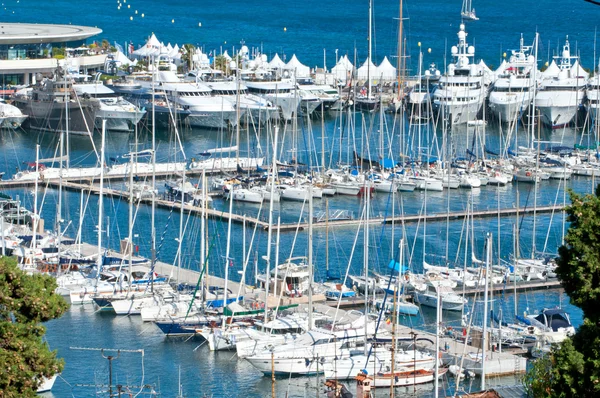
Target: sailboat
x=364, y=100
x=468, y=12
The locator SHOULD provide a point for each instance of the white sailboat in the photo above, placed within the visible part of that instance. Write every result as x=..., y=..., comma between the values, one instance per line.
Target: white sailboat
x=468, y=12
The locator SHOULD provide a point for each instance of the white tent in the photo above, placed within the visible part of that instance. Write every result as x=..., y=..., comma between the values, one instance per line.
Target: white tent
x=276, y=62
x=385, y=70
x=551, y=71
x=301, y=70
x=226, y=56
x=152, y=47
x=153, y=42
x=174, y=53
x=578, y=71
x=343, y=69
x=122, y=59
x=368, y=70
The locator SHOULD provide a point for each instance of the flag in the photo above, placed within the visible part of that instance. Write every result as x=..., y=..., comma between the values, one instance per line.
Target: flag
x=131, y=48
x=231, y=263
x=119, y=48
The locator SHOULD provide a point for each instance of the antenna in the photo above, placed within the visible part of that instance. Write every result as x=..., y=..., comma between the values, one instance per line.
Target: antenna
x=119, y=389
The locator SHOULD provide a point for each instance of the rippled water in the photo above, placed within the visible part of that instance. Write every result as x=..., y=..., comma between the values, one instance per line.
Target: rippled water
x=311, y=27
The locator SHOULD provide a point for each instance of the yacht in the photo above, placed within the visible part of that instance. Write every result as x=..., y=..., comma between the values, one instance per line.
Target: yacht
x=281, y=93
x=512, y=92
x=48, y=102
x=306, y=354
x=328, y=96
x=10, y=116
x=427, y=295
x=257, y=108
x=206, y=110
x=593, y=97
x=461, y=91
x=120, y=114
x=562, y=89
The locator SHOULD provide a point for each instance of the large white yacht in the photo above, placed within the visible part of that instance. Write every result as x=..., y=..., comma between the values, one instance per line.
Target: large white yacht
x=461, y=90
x=306, y=354
x=563, y=89
x=120, y=114
x=258, y=109
x=205, y=109
x=281, y=93
x=514, y=89
x=593, y=97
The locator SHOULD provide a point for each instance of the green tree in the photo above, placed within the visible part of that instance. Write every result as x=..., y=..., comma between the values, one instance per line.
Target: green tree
x=573, y=368
x=188, y=53
x=25, y=302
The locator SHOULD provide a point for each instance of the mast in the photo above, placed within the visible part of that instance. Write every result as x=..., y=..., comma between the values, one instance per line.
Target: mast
x=101, y=198
x=310, y=257
x=35, y=201
x=484, y=339
x=370, y=49
x=270, y=231
x=153, y=208
x=400, y=62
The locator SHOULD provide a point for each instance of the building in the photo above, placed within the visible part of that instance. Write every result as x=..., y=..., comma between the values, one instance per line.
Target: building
x=27, y=49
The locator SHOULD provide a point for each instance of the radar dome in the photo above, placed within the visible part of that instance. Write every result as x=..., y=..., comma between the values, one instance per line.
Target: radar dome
x=462, y=26
x=531, y=59
x=454, y=50
x=244, y=50
x=461, y=35
x=471, y=50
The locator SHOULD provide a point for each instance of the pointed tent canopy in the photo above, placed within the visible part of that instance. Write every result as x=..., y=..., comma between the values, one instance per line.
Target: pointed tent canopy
x=175, y=52
x=551, y=71
x=301, y=70
x=578, y=71
x=276, y=62
x=343, y=69
x=385, y=70
x=227, y=56
x=122, y=59
x=501, y=69
x=368, y=68
x=153, y=42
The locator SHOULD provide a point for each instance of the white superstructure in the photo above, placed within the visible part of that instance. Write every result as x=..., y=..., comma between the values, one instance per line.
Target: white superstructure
x=563, y=89
x=461, y=91
x=514, y=89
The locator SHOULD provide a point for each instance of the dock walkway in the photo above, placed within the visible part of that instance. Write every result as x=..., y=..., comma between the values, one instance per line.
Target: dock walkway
x=238, y=218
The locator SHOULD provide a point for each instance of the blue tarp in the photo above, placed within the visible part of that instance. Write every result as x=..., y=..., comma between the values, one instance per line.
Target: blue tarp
x=393, y=264
x=387, y=163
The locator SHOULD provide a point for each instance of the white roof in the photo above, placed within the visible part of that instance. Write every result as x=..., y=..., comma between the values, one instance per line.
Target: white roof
x=386, y=70
x=301, y=70
x=276, y=62
x=343, y=69
x=368, y=69
x=122, y=58
x=551, y=71
x=578, y=71
x=153, y=42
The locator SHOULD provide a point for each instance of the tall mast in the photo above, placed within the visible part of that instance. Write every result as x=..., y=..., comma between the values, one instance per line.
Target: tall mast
x=370, y=49
x=400, y=62
x=152, y=211
x=101, y=197
x=270, y=231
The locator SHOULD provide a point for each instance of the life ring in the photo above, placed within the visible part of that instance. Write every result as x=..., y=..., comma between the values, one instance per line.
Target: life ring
x=528, y=174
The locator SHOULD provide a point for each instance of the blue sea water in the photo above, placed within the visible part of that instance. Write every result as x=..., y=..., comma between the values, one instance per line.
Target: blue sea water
x=306, y=29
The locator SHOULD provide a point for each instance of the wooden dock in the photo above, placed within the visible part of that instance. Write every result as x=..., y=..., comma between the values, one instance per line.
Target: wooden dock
x=290, y=227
